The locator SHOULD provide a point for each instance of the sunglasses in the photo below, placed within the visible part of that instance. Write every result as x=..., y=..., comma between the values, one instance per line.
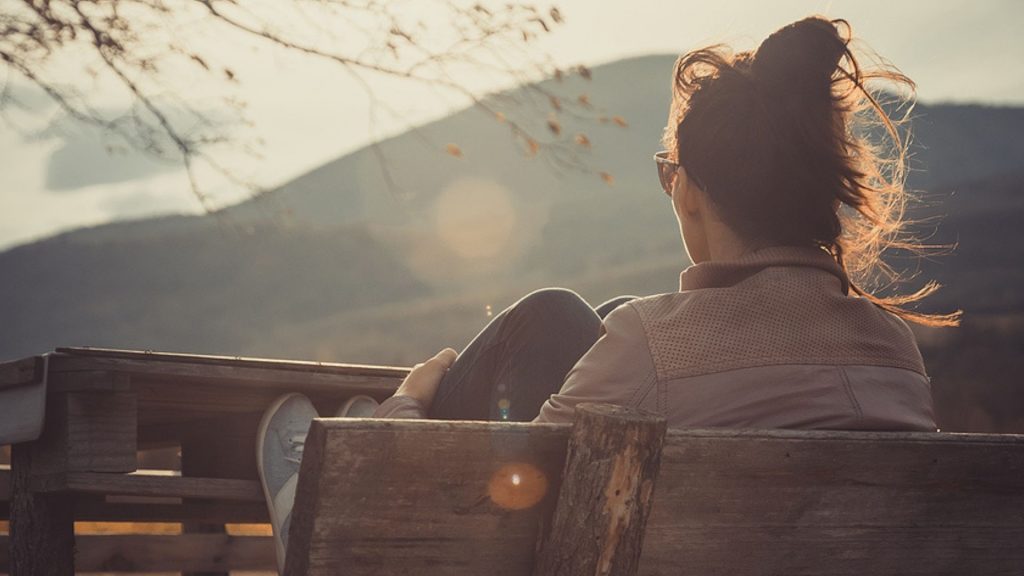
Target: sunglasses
x=667, y=170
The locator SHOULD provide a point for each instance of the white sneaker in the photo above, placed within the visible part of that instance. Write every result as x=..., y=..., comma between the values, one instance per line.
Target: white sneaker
x=358, y=406
x=279, y=444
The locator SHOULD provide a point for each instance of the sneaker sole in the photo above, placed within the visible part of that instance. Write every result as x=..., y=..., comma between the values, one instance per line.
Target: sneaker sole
x=261, y=434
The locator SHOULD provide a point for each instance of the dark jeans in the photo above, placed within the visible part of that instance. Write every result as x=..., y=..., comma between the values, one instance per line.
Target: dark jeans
x=521, y=357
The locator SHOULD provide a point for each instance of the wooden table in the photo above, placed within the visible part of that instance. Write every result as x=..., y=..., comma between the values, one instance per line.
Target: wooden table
x=105, y=406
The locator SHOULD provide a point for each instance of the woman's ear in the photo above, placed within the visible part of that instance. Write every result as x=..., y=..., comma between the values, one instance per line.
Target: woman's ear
x=686, y=195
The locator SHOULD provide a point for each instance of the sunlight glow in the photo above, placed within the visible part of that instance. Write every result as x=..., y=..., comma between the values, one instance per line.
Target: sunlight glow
x=475, y=218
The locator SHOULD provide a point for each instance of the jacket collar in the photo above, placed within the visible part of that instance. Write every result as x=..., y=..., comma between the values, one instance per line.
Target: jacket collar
x=721, y=274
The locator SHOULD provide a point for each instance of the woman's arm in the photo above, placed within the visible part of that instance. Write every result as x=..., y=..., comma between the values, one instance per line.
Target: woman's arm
x=618, y=369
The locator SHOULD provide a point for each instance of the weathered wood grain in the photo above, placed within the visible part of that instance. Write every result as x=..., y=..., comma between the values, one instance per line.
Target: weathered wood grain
x=88, y=381
x=20, y=372
x=93, y=507
x=175, y=390
x=88, y=432
x=158, y=553
x=144, y=484
x=229, y=371
x=222, y=511
x=42, y=541
x=423, y=497
x=612, y=462
x=380, y=497
x=843, y=503
x=215, y=455
x=236, y=361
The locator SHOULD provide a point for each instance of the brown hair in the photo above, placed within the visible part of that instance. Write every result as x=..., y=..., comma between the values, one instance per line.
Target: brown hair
x=780, y=139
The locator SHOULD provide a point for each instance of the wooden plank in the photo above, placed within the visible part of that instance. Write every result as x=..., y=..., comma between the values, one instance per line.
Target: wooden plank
x=246, y=377
x=20, y=372
x=174, y=407
x=159, y=553
x=221, y=448
x=174, y=392
x=145, y=484
x=42, y=525
x=97, y=508
x=215, y=454
x=236, y=361
x=414, y=497
x=88, y=381
x=177, y=389
x=773, y=502
x=87, y=432
x=237, y=371
x=5, y=483
x=612, y=462
x=221, y=511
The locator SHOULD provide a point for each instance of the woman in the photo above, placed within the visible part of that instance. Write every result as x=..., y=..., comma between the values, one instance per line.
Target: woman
x=784, y=208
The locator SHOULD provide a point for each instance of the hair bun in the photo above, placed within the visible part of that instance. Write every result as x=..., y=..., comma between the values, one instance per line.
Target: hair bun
x=803, y=55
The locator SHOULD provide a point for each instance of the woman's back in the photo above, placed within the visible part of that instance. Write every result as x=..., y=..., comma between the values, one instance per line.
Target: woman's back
x=771, y=340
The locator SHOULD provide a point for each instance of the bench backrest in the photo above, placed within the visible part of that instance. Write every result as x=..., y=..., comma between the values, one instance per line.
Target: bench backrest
x=438, y=497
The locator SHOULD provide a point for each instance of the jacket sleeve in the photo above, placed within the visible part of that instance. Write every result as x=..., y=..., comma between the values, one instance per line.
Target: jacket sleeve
x=618, y=369
x=400, y=407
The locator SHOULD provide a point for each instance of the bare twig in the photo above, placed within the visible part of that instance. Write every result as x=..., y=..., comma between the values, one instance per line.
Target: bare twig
x=132, y=40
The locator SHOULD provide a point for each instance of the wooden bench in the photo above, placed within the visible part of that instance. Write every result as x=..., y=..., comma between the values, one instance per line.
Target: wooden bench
x=605, y=496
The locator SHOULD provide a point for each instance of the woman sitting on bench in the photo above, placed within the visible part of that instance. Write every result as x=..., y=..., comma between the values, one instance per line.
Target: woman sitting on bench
x=784, y=208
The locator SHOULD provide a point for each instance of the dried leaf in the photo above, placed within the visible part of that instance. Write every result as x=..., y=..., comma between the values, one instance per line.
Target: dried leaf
x=608, y=178
x=556, y=15
x=555, y=102
x=542, y=23
x=454, y=150
x=229, y=74
x=532, y=146
x=583, y=71
x=554, y=126
x=199, y=61
x=584, y=100
x=620, y=121
x=582, y=140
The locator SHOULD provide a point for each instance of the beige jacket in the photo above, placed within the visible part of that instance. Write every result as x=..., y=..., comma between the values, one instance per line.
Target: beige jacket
x=772, y=340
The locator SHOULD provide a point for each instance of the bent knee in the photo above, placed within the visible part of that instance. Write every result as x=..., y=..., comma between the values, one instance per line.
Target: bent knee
x=553, y=306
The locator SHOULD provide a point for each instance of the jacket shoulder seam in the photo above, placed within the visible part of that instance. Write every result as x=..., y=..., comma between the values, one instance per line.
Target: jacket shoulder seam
x=849, y=392
x=662, y=400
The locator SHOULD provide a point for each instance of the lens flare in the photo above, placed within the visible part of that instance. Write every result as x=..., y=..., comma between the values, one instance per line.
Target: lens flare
x=517, y=486
x=475, y=218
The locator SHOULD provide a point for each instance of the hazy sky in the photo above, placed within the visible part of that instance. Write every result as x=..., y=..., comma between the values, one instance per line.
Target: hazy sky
x=309, y=112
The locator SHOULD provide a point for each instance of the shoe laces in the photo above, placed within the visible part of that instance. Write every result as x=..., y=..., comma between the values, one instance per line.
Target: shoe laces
x=294, y=445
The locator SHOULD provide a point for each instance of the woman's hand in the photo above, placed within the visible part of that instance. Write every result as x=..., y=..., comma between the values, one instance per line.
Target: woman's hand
x=422, y=382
